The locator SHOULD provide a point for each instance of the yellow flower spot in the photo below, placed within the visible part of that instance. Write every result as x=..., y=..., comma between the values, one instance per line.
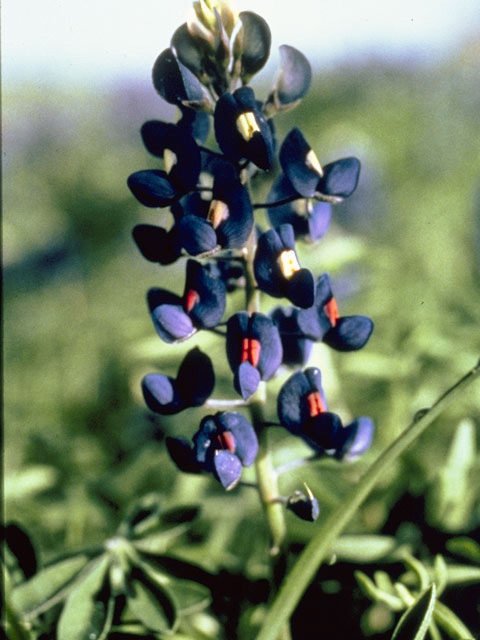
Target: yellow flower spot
x=312, y=161
x=217, y=213
x=247, y=125
x=169, y=159
x=288, y=263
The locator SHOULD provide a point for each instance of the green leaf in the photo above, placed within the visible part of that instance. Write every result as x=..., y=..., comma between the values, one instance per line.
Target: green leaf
x=372, y=591
x=46, y=584
x=451, y=623
x=419, y=569
x=158, y=543
x=191, y=596
x=364, y=548
x=440, y=572
x=456, y=478
x=150, y=604
x=83, y=616
x=465, y=547
x=458, y=574
x=414, y=623
x=30, y=481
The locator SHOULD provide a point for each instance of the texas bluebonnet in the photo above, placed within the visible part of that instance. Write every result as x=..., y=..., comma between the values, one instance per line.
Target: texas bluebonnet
x=207, y=190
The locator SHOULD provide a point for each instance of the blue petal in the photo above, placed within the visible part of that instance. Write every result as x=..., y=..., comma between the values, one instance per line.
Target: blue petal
x=303, y=506
x=293, y=153
x=300, y=289
x=196, y=235
x=355, y=439
x=160, y=394
x=340, y=178
x=350, y=333
x=228, y=468
x=246, y=442
x=246, y=380
x=152, y=188
x=172, y=323
x=196, y=378
x=182, y=455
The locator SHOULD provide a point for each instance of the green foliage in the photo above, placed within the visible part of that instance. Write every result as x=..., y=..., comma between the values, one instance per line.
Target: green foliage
x=414, y=623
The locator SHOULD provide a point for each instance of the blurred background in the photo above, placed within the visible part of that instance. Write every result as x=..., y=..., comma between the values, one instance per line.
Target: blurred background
x=397, y=85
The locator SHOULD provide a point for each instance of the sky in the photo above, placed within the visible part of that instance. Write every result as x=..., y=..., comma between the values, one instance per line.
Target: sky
x=94, y=40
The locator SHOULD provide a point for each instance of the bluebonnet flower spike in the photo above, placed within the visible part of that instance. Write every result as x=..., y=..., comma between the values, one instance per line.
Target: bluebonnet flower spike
x=254, y=350
x=277, y=269
x=323, y=321
x=201, y=307
x=193, y=385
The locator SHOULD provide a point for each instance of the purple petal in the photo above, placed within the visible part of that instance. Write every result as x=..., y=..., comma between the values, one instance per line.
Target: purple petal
x=228, y=468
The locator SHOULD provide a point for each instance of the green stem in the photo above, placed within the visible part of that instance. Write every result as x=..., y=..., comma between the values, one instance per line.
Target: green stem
x=267, y=478
x=320, y=545
x=268, y=482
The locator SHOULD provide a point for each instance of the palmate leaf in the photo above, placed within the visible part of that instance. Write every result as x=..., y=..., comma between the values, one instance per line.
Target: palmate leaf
x=84, y=617
x=47, y=584
x=191, y=596
x=414, y=623
x=150, y=603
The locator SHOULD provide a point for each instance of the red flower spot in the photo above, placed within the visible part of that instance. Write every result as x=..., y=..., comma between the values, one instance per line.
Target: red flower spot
x=315, y=404
x=250, y=351
x=190, y=300
x=225, y=440
x=331, y=311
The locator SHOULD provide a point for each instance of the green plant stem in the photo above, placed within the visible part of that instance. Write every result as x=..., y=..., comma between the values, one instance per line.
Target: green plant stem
x=319, y=546
x=267, y=478
x=268, y=483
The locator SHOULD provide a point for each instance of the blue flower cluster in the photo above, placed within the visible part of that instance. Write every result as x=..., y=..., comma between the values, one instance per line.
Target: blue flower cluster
x=206, y=73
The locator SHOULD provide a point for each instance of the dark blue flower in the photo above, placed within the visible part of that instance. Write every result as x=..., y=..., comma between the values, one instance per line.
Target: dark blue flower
x=302, y=409
x=254, y=350
x=157, y=244
x=309, y=218
x=223, y=220
x=291, y=84
x=182, y=160
x=303, y=505
x=201, y=307
x=196, y=123
x=230, y=271
x=323, y=321
x=241, y=130
x=277, y=269
x=334, y=181
x=176, y=83
x=253, y=40
x=192, y=386
x=296, y=347
x=224, y=444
